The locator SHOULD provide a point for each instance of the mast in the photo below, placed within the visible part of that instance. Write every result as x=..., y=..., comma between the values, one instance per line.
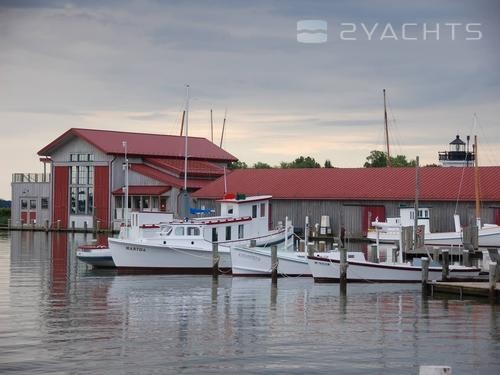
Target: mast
x=223, y=128
x=211, y=126
x=417, y=193
x=124, y=144
x=182, y=122
x=386, y=133
x=186, y=202
x=476, y=181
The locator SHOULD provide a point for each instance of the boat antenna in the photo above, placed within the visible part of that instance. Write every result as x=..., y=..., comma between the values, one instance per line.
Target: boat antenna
x=476, y=181
x=182, y=122
x=386, y=133
x=223, y=128
x=211, y=126
x=417, y=193
x=186, y=203
x=125, y=150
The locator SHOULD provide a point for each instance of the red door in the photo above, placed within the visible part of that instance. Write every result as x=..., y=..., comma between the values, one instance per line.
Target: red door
x=371, y=213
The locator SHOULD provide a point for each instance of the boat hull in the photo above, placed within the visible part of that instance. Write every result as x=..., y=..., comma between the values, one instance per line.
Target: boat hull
x=328, y=270
x=257, y=262
x=97, y=257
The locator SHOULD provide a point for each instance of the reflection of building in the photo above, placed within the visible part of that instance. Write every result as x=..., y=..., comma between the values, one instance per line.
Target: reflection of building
x=87, y=176
x=458, y=155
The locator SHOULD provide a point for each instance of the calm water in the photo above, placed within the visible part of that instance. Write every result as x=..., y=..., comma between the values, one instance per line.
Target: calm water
x=58, y=316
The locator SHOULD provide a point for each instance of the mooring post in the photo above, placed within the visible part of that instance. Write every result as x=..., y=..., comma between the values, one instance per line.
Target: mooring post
x=274, y=264
x=493, y=279
x=85, y=226
x=98, y=226
x=310, y=250
x=343, y=270
x=425, y=273
x=9, y=224
x=46, y=225
x=373, y=253
x=72, y=225
x=465, y=258
x=215, y=260
x=446, y=264
x=58, y=224
x=253, y=243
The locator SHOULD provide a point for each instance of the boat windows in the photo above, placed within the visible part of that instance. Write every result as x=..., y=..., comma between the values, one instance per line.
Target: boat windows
x=193, y=231
x=166, y=230
x=254, y=211
x=228, y=233
x=230, y=210
x=262, y=209
x=179, y=231
x=241, y=231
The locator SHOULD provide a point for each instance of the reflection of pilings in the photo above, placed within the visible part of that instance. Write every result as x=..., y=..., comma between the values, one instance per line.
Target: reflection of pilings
x=343, y=270
x=425, y=274
x=274, y=295
x=215, y=260
x=274, y=264
x=215, y=289
x=446, y=264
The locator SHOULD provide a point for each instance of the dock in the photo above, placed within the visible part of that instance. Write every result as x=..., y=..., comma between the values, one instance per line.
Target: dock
x=464, y=288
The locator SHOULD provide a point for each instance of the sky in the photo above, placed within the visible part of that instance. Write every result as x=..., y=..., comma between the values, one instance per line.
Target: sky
x=124, y=65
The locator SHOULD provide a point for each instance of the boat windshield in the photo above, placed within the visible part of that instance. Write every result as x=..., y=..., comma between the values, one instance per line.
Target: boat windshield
x=166, y=230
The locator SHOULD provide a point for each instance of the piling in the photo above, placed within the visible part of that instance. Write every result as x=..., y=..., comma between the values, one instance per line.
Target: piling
x=98, y=226
x=373, y=253
x=73, y=225
x=253, y=243
x=310, y=249
x=274, y=264
x=435, y=254
x=85, y=225
x=9, y=223
x=343, y=270
x=394, y=255
x=425, y=273
x=58, y=225
x=215, y=260
x=465, y=258
x=493, y=279
x=302, y=246
x=446, y=264
x=322, y=246
x=47, y=225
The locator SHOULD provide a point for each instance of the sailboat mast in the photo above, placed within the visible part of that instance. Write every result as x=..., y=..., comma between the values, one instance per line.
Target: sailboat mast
x=223, y=129
x=476, y=182
x=186, y=140
x=417, y=193
x=182, y=122
x=211, y=127
x=386, y=133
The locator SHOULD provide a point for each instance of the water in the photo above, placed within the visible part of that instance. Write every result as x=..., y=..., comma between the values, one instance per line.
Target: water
x=57, y=316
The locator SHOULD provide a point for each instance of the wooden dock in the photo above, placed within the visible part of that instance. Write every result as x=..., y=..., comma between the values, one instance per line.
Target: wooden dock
x=463, y=288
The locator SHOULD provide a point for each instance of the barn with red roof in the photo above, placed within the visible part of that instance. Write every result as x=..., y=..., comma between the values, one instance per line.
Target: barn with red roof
x=86, y=180
x=353, y=197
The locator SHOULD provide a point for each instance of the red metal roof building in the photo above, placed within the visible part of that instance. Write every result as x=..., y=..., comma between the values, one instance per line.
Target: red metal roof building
x=87, y=169
x=354, y=195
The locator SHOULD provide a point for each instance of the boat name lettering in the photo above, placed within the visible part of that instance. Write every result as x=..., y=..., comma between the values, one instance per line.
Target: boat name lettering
x=135, y=248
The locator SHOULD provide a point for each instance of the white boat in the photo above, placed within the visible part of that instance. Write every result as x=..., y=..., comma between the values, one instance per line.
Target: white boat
x=253, y=261
x=327, y=269
x=99, y=255
x=186, y=246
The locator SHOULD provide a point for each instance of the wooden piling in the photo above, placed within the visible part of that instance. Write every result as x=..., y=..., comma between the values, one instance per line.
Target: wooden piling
x=465, y=258
x=310, y=249
x=373, y=253
x=274, y=264
x=9, y=223
x=58, y=225
x=72, y=225
x=253, y=243
x=343, y=270
x=98, y=226
x=85, y=225
x=47, y=225
x=215, y=260
x=446, y=264
x=425, y=273
x=493, y=279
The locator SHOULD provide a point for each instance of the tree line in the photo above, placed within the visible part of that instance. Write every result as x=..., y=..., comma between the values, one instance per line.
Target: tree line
x=376, y=159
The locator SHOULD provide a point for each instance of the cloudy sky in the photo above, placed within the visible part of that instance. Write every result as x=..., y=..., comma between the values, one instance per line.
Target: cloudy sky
x=123, y=65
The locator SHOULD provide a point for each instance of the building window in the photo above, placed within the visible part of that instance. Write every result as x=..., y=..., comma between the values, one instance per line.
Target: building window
x=32, y=204
x=241, y=231
x=262, y=209
x=24, y=204
x=228, y=233
x=44, y=203
x=254, y=211
x=81, y=186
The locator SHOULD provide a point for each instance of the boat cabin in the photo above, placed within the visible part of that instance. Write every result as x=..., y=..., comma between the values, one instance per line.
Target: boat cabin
x=407, y=217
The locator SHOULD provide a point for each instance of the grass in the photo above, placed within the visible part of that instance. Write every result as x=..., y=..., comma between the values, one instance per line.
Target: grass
x=4, y=215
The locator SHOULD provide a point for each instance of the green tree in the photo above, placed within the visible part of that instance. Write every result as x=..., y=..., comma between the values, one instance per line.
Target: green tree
x=378, y=159
x=328, y=164
x=261, y=165
x=237, y=165
x=301, y=162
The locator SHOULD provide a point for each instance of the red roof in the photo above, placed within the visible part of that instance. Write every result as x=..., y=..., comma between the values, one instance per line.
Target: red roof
x=436, y=183
x=167, y=179
x=142, y=144
x=194, y=167
x=143, y=190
